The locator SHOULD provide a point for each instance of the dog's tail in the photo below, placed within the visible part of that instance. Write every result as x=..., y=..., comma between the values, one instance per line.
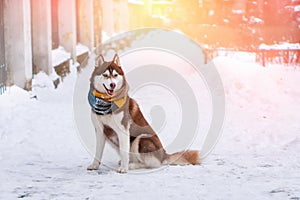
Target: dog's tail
x=183, y=158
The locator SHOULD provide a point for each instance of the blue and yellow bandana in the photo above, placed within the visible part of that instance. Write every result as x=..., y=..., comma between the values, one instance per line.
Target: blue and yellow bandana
x=103, y=104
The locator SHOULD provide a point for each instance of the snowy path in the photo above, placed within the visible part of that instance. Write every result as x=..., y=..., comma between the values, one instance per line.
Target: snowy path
x=257, y=157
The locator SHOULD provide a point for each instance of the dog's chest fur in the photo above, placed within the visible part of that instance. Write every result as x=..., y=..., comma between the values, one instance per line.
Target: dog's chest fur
x=112, y=126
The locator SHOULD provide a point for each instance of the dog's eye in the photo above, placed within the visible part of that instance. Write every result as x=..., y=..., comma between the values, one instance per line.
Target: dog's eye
x=115, y=75
x=105, y=75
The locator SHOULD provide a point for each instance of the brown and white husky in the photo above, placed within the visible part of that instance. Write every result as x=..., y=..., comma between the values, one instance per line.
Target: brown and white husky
x=118, y=120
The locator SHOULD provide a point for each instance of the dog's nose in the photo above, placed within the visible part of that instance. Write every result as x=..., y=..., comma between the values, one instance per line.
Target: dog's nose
x=112, y=85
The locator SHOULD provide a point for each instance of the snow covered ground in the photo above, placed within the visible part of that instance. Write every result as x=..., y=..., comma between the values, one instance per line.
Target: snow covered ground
x=257, y=157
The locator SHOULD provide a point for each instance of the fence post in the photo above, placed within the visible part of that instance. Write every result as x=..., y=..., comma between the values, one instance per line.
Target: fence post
x=263, y=58
x=17, y=34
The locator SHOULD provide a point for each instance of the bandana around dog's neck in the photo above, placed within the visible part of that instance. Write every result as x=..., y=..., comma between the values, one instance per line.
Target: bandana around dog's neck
x=103, y=104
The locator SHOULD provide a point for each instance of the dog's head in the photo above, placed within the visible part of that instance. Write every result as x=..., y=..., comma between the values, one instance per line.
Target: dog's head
x=107, y=77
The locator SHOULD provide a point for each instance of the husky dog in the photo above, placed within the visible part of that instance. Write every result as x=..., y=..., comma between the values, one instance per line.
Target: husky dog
x=118, y=120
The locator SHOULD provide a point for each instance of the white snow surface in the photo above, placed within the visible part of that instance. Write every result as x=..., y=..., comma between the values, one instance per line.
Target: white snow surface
x=297, y=8
x=280, y=46
x=59, y=56
x=81, y=49
x=257, y=156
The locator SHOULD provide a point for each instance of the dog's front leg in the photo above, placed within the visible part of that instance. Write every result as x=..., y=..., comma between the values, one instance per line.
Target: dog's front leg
x=100, y=143
x=124, y=151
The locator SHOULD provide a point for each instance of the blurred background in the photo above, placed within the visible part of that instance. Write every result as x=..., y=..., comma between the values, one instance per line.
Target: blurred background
x=46, y=35
x=241, y=24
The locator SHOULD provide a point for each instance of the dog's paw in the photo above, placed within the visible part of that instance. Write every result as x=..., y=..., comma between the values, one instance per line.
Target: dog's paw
x=93, y=166
x=122, y=170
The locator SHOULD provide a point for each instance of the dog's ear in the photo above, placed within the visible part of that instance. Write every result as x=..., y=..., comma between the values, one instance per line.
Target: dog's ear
x=99, y=60
x=116, y=60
